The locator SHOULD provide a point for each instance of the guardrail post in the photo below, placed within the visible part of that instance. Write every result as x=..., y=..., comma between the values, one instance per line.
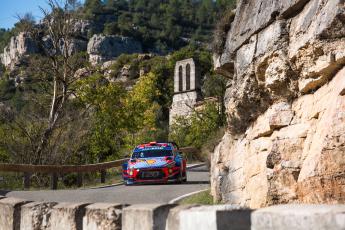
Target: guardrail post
x=103, y=175
x=79, y=180
x=27, y=180
x=54, y=181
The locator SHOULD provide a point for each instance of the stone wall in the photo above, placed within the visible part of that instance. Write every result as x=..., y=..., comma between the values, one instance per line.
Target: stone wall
x=285, y=104
x=17, y=214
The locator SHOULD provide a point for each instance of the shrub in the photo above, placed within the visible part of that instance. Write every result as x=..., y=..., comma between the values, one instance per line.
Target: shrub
x=199, y=130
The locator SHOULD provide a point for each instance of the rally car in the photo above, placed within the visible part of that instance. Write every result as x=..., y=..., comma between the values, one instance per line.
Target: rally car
x=155, y=163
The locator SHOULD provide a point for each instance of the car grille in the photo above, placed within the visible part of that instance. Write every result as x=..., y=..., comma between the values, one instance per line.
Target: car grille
x=150, y=174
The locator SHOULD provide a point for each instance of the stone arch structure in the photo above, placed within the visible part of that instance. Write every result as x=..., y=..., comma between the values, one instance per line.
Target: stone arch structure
x=190, y=71
x=180, y=79
x=188, y=76
x=186, y=88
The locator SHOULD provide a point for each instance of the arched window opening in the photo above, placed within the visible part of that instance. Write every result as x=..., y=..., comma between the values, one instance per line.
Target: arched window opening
x=180, y=80
x=188, y=77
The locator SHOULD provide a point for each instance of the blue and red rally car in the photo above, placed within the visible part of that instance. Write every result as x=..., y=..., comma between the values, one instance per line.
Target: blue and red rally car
x=155, y=163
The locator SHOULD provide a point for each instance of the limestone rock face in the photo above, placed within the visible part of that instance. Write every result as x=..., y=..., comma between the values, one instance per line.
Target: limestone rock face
x=18, y=47
x=81, y=28
x=104, y=48
x=285, y=104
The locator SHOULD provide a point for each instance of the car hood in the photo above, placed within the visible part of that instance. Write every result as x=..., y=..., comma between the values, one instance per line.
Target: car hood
x=157, y=162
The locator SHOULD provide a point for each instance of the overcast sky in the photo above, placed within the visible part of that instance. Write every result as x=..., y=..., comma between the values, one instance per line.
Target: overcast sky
x=10, y=8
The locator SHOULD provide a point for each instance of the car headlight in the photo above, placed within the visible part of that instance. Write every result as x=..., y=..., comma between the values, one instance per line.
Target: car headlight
x=130, y=172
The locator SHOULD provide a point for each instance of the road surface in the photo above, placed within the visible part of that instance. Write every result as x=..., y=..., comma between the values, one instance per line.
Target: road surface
x=198, y=179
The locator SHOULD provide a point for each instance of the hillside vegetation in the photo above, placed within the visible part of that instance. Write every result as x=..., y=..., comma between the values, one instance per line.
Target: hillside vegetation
x=161, y=25
x=54, y=116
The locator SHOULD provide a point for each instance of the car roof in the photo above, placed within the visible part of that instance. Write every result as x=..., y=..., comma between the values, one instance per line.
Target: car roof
x=155, y=146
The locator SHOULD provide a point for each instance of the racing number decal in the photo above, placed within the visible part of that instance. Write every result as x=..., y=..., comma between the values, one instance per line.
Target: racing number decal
x=150, y=162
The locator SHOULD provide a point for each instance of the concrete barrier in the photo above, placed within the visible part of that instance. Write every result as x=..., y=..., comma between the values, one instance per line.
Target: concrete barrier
x=18, y=214
x=298, y=217
x=67, y=216
x=146, y=216
x=102, y=216
x=173, y=221
x=10, y=213
x=36, y=215
x=220, y=217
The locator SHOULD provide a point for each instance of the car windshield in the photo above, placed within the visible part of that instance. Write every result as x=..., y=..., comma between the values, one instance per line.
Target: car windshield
x=152, y=153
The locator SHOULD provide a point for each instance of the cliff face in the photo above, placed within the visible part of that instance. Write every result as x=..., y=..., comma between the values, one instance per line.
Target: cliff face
x=100, y=48
x=285, y=103
x=18, y=47
x=104, y=48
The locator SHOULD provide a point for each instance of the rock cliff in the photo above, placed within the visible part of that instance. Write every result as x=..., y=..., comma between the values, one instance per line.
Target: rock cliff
x=285, y=104
x=100, y=48
x=104, y=48
x=18, y=47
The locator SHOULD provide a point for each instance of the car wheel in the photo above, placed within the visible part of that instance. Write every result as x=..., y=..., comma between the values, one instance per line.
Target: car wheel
x=185, y=177
x=180, y=178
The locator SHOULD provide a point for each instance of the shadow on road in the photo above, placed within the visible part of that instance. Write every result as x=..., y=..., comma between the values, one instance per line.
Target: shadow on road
x=198, y=170
x=196, y=182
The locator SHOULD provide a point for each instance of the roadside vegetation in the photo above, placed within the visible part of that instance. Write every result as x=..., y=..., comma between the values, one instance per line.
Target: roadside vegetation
x=202, y=198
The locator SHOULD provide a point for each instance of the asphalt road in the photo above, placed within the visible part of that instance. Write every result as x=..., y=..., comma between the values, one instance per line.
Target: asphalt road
x=198, y=179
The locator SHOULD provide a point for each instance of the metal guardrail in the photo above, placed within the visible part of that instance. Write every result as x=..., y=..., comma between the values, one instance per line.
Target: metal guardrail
x=55, y=170
x=60, y=168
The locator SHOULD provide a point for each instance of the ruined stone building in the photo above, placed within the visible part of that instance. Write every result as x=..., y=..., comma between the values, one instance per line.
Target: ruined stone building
x=186, y=89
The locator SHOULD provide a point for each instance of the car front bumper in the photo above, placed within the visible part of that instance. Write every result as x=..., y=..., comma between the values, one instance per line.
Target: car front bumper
x=164, y=175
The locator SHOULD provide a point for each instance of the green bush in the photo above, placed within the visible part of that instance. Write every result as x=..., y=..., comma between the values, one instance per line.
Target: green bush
x=197, y=129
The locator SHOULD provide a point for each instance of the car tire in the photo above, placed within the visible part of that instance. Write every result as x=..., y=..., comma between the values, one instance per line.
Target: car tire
x=180, y=178
x=185, y=177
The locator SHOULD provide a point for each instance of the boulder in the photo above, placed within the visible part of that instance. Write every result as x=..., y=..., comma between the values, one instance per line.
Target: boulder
x=82, y=28
x=104, y=48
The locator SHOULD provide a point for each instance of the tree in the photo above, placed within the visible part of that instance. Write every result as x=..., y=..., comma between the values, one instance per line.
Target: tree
x=196, y=129
x=108, y=117
x=92, y=7
x=142, y=110
x=58, y=25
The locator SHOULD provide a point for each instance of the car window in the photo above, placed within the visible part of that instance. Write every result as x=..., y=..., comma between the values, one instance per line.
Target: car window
x=152, y=153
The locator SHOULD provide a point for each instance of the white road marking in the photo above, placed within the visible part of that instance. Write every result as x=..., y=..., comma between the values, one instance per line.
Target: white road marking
x=177, y=199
